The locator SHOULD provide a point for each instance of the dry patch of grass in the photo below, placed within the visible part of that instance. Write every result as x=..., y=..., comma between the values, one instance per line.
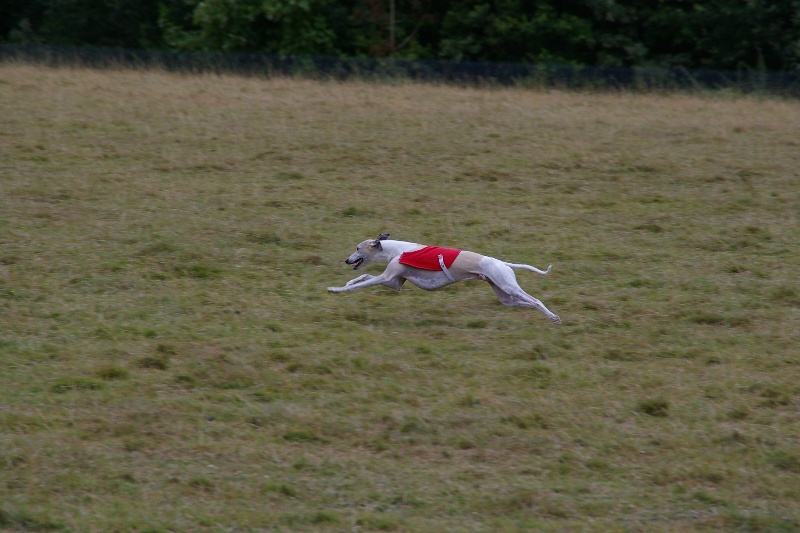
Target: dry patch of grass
x=171, y=360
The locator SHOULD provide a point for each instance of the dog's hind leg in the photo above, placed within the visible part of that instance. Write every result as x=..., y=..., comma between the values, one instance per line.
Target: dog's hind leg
x=504, y=297
x=523, y=299
x=526, y=300
x=505, y=286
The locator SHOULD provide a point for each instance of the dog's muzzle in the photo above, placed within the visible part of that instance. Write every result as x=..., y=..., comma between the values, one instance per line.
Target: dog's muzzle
x=356, y=264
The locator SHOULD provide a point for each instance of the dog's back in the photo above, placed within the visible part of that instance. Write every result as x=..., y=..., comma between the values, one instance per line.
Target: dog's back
x=467, y=264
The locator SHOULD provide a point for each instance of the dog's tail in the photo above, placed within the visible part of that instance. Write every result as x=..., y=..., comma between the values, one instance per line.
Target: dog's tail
x=531, y=268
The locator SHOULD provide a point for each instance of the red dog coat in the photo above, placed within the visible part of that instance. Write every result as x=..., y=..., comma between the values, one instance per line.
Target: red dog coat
x=428, y=258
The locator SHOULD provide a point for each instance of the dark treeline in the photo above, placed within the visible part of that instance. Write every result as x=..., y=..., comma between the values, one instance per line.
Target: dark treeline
x=714, y=34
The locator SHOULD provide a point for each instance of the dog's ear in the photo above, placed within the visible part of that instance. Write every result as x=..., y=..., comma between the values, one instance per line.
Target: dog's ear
x=377, y=242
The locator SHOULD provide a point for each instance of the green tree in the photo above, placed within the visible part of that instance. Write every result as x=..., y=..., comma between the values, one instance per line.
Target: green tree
x=748, y=34
x=720, y=34
x=18, y=20
x=404, y=28
x=515, y=30
x=269, y=26
x=120, y=23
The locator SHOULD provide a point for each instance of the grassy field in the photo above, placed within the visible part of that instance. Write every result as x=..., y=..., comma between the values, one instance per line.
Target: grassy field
x=171, y=361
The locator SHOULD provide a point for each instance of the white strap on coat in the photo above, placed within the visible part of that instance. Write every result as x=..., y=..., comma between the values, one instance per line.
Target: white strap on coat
x=444, y=269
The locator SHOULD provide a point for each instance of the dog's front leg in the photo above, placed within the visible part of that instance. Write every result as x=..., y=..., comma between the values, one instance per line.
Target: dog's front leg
x=391, y=282
x=359, y=279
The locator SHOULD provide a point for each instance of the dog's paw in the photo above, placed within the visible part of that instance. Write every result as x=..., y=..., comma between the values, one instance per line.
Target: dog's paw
x=555, y=319
x=334, y=289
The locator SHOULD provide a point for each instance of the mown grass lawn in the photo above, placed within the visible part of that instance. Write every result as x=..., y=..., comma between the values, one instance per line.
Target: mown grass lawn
x=171, y=361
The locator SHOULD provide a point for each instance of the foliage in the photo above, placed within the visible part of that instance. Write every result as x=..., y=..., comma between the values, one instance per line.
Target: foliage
x=721, y=34
x=713, y=34
x=122, y=23
x=514, y=30
x=270, y=26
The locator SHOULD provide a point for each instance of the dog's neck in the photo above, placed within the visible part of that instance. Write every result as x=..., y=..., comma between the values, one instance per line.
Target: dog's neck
x=393, y=249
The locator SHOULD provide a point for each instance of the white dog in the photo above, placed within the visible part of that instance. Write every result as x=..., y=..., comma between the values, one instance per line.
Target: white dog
x=431, y=268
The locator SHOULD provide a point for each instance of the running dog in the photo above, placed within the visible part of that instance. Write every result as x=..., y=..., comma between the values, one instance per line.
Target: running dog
x=432, y=267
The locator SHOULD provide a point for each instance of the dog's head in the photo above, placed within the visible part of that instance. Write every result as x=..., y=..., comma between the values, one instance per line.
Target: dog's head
x=366, y=252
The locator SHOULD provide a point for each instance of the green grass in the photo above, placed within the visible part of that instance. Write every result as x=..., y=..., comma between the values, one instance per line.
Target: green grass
x=171, y=361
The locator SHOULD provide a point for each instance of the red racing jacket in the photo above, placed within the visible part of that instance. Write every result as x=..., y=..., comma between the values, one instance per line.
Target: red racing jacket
x=428, y=258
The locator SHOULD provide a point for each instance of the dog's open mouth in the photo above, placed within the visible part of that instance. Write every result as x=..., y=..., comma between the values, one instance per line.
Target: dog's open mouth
x=357, y=263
